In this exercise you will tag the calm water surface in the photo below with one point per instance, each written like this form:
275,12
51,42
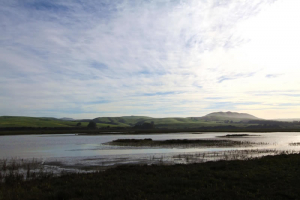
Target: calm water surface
72,145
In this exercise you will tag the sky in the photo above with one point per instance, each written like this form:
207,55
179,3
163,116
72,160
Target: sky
158,58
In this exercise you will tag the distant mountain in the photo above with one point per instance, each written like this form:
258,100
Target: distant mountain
232,116
66,119
52,118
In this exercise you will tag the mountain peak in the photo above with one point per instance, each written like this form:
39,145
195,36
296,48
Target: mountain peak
221,116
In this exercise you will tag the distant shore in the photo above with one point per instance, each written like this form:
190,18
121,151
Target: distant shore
132,131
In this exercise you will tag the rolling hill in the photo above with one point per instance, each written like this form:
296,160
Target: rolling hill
212,119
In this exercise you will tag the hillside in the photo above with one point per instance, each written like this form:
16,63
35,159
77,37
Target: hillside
177,122
125,121
15,121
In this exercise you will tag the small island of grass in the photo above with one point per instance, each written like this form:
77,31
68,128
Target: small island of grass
184,143
238,135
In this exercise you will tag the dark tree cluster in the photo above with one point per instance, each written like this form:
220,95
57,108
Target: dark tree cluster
92,125
145,125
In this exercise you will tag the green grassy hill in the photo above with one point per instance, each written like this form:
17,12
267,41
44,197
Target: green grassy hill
125,121
11,121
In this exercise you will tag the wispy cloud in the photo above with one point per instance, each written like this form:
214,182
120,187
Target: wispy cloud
160,93
273,75
234,76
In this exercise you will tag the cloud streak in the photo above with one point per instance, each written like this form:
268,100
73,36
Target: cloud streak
273,75
234,76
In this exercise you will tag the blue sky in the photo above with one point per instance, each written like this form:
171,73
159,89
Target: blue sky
86,59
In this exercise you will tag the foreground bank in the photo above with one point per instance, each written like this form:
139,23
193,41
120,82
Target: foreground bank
271,177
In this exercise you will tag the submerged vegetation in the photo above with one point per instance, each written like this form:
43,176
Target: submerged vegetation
270,177
294,144
15,170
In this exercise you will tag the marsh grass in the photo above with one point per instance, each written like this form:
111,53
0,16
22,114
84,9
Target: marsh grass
270,177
